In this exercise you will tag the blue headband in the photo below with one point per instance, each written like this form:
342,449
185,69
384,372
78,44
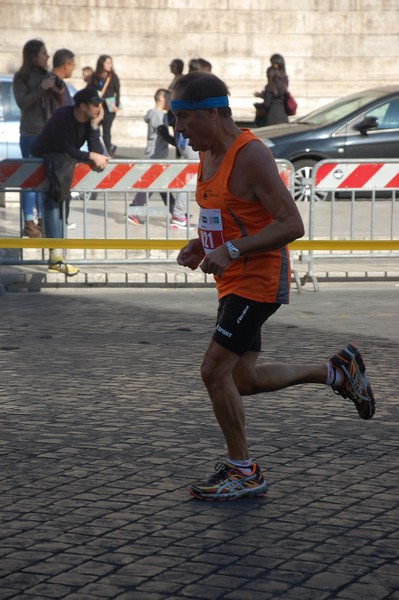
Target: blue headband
217,102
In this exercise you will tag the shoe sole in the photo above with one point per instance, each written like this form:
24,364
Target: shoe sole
133,223
63,272
255,493
369,404
174,226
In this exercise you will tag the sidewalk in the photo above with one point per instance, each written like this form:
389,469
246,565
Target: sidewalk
105,423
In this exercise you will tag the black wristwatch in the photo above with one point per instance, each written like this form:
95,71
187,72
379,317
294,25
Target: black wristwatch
234,252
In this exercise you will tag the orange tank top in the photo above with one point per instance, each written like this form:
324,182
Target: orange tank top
263,277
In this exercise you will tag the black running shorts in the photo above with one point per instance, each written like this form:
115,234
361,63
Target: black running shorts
239,323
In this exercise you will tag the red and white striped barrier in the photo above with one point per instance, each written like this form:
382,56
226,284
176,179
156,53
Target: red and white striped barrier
119,176
356,175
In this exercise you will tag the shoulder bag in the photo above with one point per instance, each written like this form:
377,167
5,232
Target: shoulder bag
291,104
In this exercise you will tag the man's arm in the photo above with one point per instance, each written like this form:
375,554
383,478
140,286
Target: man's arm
164,133
255,178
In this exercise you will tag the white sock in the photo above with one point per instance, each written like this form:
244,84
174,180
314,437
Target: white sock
335,376
244,465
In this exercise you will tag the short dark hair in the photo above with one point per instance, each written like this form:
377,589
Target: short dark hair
179,65
199,85
61,57
159,92
194,65
205,65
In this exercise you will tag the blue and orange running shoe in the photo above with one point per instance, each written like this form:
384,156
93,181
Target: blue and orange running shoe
355,385
230,483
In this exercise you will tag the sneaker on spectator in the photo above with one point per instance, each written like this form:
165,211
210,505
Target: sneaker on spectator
31,230
61,267
180,223
135,220
71,225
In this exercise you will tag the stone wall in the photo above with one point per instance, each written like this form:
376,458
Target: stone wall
331,47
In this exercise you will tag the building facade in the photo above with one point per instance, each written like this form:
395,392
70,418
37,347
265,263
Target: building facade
331,47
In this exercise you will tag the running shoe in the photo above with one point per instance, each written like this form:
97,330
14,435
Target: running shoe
61,267
230,483
355,385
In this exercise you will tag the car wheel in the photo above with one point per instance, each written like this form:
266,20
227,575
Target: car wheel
303,182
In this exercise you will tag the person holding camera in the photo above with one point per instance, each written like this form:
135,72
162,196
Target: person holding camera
63,67
37,96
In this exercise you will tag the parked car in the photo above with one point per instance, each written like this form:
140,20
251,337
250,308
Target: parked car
9,120
10,117
364,125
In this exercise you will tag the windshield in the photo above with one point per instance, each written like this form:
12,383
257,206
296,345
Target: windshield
339,109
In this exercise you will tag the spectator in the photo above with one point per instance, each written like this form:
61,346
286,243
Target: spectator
205,65
199,64
107,83
37,96
176,68
278,62
157,147
181,217
87,75
59,145
272,110
63,67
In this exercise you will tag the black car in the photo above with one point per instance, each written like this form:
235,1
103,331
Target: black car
364,125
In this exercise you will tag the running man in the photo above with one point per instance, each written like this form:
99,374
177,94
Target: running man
247,218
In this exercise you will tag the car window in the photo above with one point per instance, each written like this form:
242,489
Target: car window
339,109
9,110
387,114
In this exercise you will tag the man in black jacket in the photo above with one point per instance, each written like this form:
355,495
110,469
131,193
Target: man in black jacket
60,145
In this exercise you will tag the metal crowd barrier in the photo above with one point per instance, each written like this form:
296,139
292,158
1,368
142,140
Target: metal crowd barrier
353,200
102,202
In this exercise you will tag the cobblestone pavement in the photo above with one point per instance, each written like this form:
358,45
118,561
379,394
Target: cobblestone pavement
105,423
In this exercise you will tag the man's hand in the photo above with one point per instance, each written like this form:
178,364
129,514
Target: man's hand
217,261
191,255
95,123
100,161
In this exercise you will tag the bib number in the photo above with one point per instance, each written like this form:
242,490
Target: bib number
210,228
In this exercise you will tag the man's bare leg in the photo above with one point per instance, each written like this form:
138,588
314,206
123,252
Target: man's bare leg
227,376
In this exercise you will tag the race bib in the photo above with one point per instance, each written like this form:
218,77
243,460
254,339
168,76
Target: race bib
210,228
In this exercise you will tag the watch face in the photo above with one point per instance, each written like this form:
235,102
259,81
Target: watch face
233,251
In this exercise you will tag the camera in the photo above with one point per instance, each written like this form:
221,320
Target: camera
58,82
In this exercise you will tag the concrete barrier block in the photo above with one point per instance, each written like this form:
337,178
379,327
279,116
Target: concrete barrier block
156,277
137,278
173,278
95,278
197,277
116,277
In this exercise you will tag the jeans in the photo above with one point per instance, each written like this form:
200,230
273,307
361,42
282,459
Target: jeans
53,221
106,125
29,200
